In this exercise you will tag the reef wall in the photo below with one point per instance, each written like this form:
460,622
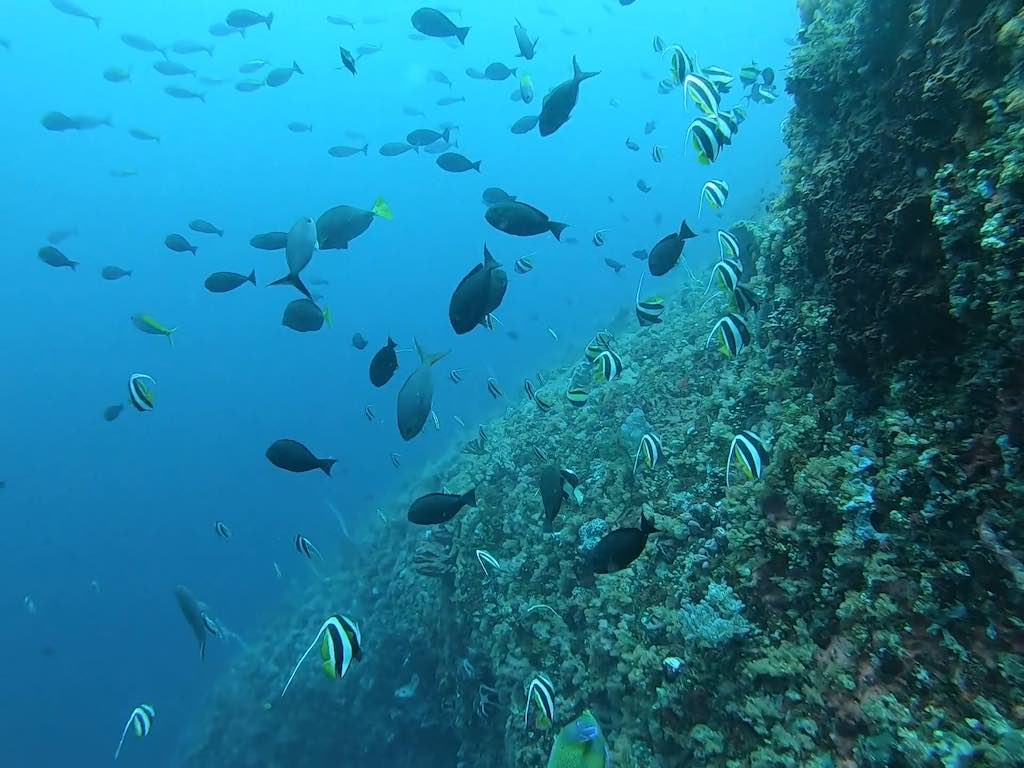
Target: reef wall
860,604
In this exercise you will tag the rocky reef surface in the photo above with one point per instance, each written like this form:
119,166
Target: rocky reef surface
858,605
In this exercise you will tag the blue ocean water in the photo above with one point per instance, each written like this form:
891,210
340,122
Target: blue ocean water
131,504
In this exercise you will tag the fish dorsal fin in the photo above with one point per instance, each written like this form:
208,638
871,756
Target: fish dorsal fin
429,358
391,343
489,260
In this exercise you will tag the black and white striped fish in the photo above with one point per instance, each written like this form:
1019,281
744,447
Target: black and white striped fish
657,153
396,460
726,274
539,453
649,310
494,389
540,694
456,375
599,238
368,412
577,396
704,138
744,299
342,644
528,388
571,486
651,450
732,333
716,192
749,452
523,265
703,92
729,245
141,721
222,530
140,391
609,365
305,547
543,404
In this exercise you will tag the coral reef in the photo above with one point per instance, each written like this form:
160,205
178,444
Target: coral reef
857,605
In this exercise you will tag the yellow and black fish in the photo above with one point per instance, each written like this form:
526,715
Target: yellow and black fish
341,645
732,333
577,396
704,138
540,694
140,391
543,404
716,192
726,275
649,310
729,245
703,92
749,452
744,300
651,450
609,365
749,74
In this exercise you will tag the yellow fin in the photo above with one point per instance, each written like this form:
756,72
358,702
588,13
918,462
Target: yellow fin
327,317
382,209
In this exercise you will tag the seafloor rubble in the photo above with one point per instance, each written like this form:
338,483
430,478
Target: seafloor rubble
860,605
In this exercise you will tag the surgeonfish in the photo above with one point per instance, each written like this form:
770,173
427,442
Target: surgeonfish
733,335
716,192
141,718
517,218
140,391
477,295
384,364
342,644
540,694
560,101
293,456
243,18
619,548
337,227
438,508
54,258
71,9
527,46
667,251
749,452
433,23
300,246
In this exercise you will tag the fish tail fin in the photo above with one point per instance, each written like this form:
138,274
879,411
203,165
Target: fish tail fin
270,20
476,166
326,465
685,231
461,32
328,317
297,68
251,278
382,209
220,233
193,250
366,149
557,228
646,526
296,282
447,135
428,357
469,498
74,265
391,342
241,33
578,74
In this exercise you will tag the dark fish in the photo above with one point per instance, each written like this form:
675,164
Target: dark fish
475,73
141,135
172,68
630,144
300,127
415,399
140,43
522,220
524,124
447,101
347,60
205,228
640,254
179,244
114,273
453,162
550,483
338,226
437,508
643,186
384,364
111,412
618,266
293,456
222,282
243,19
305,316
278,77
423,137
618,549
432,23
495,195
396,148
368,49
69,8
59,122
341,151
359,341
270,241
649,127
477,295
438,76
195,615
184,93
50,255
498,71
526,45
768,76
560,101
665,254
340,21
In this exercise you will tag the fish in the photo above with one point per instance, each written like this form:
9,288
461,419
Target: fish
347,59
561,100
220,29
293,456
59,122
111,412
704,137
384,364
497,71
253,65
438,508
305,316
524,124
359,341
123,173
278,77
543,404
172,68
340,21
733,335
423,137
176,92
186,47
493,388
195,613
338,226
721,78
632,145
116,75
750,454
658,44
540,693
180,244
526,89
395,148
570,487
523,265
640,254
527,47
456,375
369,413
141,719
703,93
716,192
475,73
657,153
609,365
762,94
744,300
528,388
749,73
342,644
666,252
649,310
140,392
368,49
518,218
437,427
417,393
453,162
248,86
244,18
599,237
652,451
726,274
621,547
539,453
296,127
71,9
306,548
495,195
50,255
149,324
144,44
433,23
617,266
550,483
343,151
553,335
768,76
447,101
643,186
477,295
649,127
222,282
270,241
222,530
300,246
437,76
577,396
205,228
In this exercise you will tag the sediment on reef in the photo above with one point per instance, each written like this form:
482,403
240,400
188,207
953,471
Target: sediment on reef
858,605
